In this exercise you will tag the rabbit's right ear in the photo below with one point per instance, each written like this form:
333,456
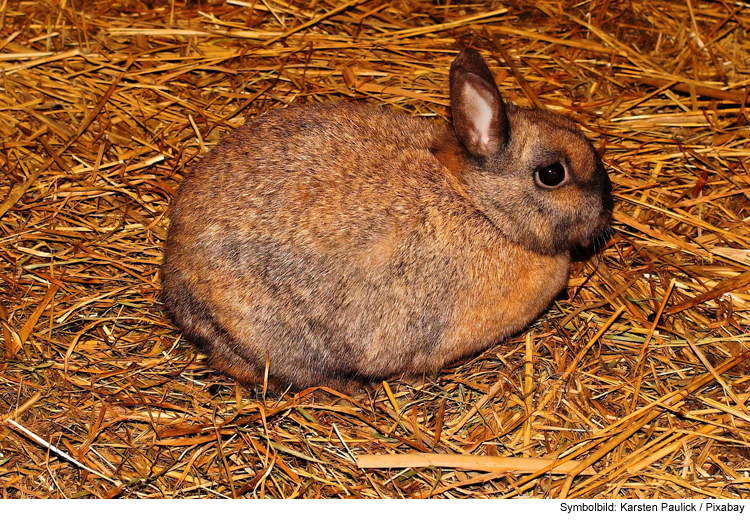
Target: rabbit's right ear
479,116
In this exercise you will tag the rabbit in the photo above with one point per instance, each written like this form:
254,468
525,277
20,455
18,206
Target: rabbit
340,244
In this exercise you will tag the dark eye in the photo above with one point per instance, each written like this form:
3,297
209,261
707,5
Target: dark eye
551,176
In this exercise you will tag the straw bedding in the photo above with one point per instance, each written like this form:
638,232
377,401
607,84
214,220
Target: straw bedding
636,381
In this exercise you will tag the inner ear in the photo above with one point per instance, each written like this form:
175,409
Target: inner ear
479,116
477,119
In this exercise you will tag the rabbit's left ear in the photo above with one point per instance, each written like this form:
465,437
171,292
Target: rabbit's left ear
479,116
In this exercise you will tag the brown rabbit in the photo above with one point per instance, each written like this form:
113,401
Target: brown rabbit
337,244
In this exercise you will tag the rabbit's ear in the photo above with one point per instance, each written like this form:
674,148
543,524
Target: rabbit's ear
479,116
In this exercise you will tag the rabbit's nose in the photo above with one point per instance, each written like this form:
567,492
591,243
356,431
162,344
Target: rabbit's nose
606,188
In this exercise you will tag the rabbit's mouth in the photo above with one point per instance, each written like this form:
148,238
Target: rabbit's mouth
596,240
605,220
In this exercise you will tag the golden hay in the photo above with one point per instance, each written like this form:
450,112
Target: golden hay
638,380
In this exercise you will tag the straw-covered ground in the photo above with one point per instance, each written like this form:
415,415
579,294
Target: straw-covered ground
638,378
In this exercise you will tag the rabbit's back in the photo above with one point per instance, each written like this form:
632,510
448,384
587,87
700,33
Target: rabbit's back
334,242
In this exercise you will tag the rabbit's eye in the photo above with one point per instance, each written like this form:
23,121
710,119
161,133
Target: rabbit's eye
551,176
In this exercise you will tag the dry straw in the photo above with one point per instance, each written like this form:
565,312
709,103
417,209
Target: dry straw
635,384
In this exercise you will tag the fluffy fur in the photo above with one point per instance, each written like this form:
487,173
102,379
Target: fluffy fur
344,243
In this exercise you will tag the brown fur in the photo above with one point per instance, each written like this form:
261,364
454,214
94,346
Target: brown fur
351,243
